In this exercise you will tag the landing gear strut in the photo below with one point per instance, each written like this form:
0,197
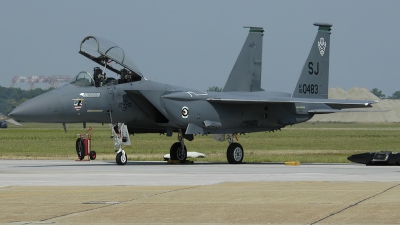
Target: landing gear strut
121,157
178,150
235,152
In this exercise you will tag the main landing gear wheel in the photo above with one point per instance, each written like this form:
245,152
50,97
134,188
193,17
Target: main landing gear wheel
121,158
176,152
235,153
80,148
92,155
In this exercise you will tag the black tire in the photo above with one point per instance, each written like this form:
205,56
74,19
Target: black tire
121,159
92,155
176,152
235,153
80,148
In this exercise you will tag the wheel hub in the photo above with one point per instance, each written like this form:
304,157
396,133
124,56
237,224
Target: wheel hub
123,158
180,153
237,154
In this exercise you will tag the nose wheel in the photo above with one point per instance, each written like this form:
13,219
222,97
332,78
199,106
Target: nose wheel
121,158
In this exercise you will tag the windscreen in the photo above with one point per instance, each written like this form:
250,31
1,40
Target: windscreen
82,79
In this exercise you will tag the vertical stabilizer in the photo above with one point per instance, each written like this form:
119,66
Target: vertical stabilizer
314,78
246,73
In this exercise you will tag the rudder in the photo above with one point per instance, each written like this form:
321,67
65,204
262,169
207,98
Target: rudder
314,78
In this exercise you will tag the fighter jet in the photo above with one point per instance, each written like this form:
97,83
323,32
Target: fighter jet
145,106
4,119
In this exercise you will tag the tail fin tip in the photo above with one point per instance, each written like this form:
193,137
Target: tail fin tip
255,29
324,26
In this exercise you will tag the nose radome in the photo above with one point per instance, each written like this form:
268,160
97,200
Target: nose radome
44,108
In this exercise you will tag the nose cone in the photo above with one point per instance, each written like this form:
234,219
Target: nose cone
44,108
364,158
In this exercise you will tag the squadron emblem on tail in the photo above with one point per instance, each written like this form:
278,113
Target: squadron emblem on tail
321,46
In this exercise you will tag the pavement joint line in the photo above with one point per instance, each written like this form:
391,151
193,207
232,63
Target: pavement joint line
161,193
72,213
355,204
121,202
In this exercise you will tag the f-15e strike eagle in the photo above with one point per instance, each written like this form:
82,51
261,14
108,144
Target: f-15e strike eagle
145,106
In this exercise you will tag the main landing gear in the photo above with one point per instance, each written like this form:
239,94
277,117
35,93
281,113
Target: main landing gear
234,153
178,150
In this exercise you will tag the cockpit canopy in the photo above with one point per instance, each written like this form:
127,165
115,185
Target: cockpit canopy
109,55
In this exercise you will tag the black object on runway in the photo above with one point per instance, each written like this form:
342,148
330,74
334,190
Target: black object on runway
376,158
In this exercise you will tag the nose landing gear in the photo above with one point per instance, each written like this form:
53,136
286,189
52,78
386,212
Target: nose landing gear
121,137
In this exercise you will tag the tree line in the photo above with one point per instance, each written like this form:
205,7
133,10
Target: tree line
12,97
378,93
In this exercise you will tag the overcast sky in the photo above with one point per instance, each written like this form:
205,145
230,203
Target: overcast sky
195,43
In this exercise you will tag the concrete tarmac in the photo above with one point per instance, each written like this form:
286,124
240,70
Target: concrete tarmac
99,192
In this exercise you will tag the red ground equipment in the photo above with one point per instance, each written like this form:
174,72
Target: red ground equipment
84,146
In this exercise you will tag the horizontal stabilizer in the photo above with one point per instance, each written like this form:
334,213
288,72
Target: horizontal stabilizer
327,111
